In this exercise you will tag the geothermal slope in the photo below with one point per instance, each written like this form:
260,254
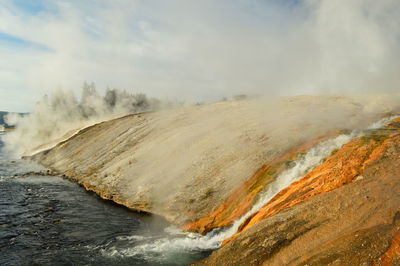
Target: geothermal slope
300,180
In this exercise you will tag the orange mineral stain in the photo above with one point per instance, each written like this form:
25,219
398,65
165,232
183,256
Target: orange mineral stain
341,168
392,253
241,199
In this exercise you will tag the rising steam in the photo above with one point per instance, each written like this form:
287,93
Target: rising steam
61,115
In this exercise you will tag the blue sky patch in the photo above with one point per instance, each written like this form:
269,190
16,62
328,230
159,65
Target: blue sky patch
30,6
16,42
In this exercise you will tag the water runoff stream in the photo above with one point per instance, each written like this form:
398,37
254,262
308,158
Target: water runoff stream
51,221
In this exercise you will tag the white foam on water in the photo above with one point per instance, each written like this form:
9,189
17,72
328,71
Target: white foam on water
133,237
161,248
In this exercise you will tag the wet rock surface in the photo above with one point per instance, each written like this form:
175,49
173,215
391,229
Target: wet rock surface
244,197
340,169
329,217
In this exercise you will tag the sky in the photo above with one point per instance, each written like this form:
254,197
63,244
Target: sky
197,50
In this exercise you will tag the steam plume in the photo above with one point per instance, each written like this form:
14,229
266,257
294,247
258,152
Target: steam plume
61,114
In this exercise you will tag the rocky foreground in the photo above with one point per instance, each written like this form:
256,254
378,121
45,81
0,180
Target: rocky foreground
344,212
204,167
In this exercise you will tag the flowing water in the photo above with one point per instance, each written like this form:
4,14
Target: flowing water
50,221
300,168
47,220
213,240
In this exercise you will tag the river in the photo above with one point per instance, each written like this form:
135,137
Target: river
49,220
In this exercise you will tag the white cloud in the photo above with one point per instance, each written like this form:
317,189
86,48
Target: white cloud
204,49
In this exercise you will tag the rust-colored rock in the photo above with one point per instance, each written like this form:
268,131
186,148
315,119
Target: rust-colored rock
241,199
394,124
353,224
343,167
393,253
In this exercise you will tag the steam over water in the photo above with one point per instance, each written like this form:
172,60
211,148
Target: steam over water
46,220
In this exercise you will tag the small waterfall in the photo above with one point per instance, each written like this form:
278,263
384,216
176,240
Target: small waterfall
179,240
